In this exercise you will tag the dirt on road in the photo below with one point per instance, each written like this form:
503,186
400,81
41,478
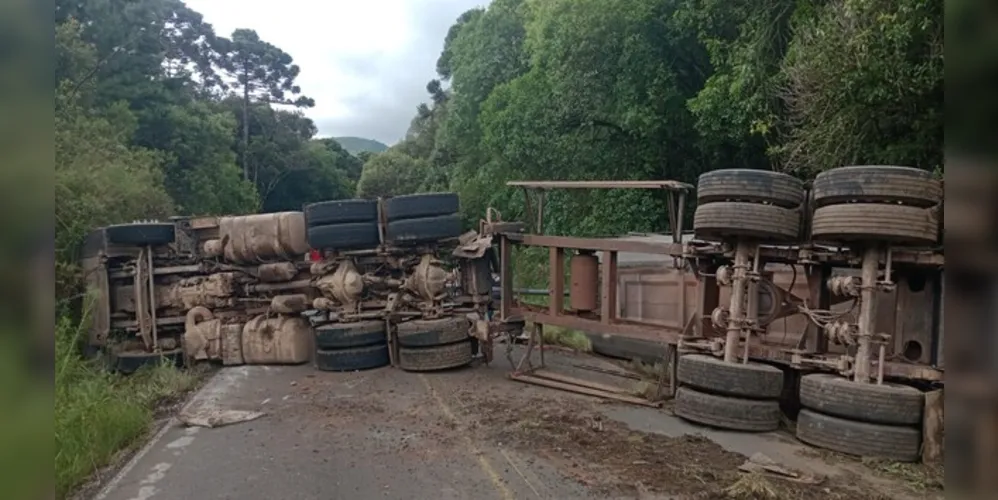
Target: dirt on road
608,458
473,433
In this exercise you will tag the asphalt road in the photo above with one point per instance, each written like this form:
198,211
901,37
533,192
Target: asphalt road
364,435
388,434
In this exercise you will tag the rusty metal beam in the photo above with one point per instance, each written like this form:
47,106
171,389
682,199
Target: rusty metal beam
668,335
664,184
597,244
505,278
556,299
608,288
654,333
557,377
581,390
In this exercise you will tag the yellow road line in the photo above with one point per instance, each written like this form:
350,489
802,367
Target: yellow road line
483,462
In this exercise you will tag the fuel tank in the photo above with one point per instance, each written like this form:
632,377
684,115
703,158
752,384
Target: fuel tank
276,340
263,237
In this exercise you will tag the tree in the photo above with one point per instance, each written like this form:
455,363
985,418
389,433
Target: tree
392,173
864,85
263,73
202,176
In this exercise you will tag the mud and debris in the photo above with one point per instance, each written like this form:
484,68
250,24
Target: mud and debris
614,460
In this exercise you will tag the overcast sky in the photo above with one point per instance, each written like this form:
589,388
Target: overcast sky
365,62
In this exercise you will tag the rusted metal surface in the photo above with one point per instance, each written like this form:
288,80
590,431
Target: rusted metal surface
585,281
736,308
556,265
608,288
867,314
596,244
581,389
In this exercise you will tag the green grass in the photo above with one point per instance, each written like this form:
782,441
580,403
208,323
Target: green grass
565,337
99,414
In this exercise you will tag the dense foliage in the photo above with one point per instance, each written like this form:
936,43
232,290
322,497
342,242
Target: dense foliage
653,89
156,115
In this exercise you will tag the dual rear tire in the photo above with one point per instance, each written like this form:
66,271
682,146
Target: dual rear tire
411,219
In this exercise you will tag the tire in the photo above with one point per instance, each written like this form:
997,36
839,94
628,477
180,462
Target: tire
423,230
898,224
879,404
751,220
754,186
348,335
862,439
129,362
627,349
707,373
353,236
433,332
348,360
413,206
141,233
425,359
877,184
723,412
340,211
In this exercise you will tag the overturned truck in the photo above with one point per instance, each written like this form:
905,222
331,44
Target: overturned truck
350,284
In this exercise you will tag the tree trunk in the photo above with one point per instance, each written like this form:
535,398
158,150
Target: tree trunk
246,175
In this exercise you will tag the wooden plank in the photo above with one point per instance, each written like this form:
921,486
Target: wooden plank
608,287
556,300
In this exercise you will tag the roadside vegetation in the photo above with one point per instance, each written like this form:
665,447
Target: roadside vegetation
157,114
100,415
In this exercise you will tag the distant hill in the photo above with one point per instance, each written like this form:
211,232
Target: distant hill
355,145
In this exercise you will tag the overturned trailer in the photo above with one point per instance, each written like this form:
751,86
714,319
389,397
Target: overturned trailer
864,241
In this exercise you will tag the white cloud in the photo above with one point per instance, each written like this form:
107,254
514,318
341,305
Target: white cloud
365,62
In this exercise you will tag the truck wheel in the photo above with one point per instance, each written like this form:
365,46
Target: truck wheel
728,219
347,360
723,412
347,335
749,185
880,404
352,236
425,359
752,380
423,230
141,233
877,184
128,362
340,211
412,206
433,332
875,221
862,439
